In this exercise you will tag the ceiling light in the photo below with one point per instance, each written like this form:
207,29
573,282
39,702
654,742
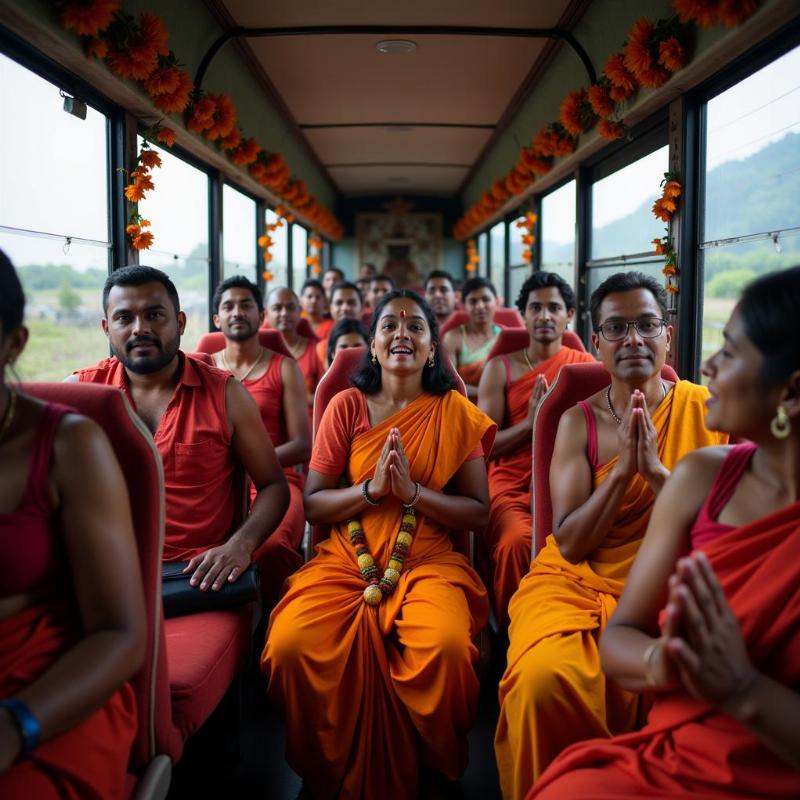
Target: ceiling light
396,46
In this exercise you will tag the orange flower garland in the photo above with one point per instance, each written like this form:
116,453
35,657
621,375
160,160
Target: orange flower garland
473,259
652,52
314,259
664,208
266,241
136,49
528,223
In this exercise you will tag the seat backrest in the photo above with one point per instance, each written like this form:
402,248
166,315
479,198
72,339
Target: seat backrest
303,328
269,338
509,340
574,382
508,318
453,321
141,466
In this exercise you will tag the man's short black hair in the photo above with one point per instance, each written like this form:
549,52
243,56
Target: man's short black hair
545,280
382,277
347,285
439,273
473,284
626,282
336,270
12,297
236,282
314,283
137,275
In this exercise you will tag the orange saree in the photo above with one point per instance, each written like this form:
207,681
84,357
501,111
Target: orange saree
369,692
553,692
689,748
507,540
87,762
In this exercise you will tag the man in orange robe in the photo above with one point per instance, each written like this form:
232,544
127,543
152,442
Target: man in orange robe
690,748
371,692
553,692
511,386
203,423
315,307
276,384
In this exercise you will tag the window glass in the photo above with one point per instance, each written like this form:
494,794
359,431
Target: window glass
497,256
178,212
515,245
54,221
299,255
557,231
516,277
279,252
622,217
238,234
483,252
752,186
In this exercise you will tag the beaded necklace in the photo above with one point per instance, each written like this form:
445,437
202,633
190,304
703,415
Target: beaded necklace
377,589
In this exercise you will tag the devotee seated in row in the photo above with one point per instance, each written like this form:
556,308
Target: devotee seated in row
369,653
511,387
283,314
367,270
346,303
346,333
440,294
379,285
611,457
72,620
468,345
276,384
330,278
204,425
315,307
709,621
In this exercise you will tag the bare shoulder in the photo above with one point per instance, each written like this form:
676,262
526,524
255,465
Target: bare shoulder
700,467
452,339
80,448
572,428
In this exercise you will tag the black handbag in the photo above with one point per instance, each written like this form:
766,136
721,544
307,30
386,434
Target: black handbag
181,598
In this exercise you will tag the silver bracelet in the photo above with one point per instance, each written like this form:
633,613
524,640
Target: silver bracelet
365,494
415,498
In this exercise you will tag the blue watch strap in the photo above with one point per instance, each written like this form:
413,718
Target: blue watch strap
29,728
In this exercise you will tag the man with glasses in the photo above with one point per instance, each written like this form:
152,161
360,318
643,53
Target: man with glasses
612,454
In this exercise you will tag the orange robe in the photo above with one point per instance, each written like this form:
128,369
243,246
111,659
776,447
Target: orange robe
321,329
311,367
553,692
369,692
279,556
88,761
506,543
689,748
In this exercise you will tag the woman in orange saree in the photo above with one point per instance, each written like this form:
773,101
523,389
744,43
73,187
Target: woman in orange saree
723,658
373,691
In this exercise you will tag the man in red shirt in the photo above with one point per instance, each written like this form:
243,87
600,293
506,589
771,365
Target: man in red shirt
275,382
204,425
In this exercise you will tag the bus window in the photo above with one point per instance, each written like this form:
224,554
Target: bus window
483,252
519,270
54,224
557,227
238,234
178,210
299,255
279,250
751,188
497,257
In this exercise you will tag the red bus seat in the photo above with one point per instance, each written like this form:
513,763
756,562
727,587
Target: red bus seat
303,328
509,340
157,742
269,338
504,317
574,382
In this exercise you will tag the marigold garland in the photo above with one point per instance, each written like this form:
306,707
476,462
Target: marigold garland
651,53
265,241
528,223
664,208
135,48
314,258
473,258
377,589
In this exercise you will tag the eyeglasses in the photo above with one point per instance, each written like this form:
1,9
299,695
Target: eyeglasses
616,329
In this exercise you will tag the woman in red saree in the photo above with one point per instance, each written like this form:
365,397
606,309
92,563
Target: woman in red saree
369,652
71,608
723,658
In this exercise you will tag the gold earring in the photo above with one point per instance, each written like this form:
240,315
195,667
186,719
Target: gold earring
374,359
780,425
431,360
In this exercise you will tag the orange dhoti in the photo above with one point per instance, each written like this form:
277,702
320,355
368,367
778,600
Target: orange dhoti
688,748
554,692
506,542
370,692
87,762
